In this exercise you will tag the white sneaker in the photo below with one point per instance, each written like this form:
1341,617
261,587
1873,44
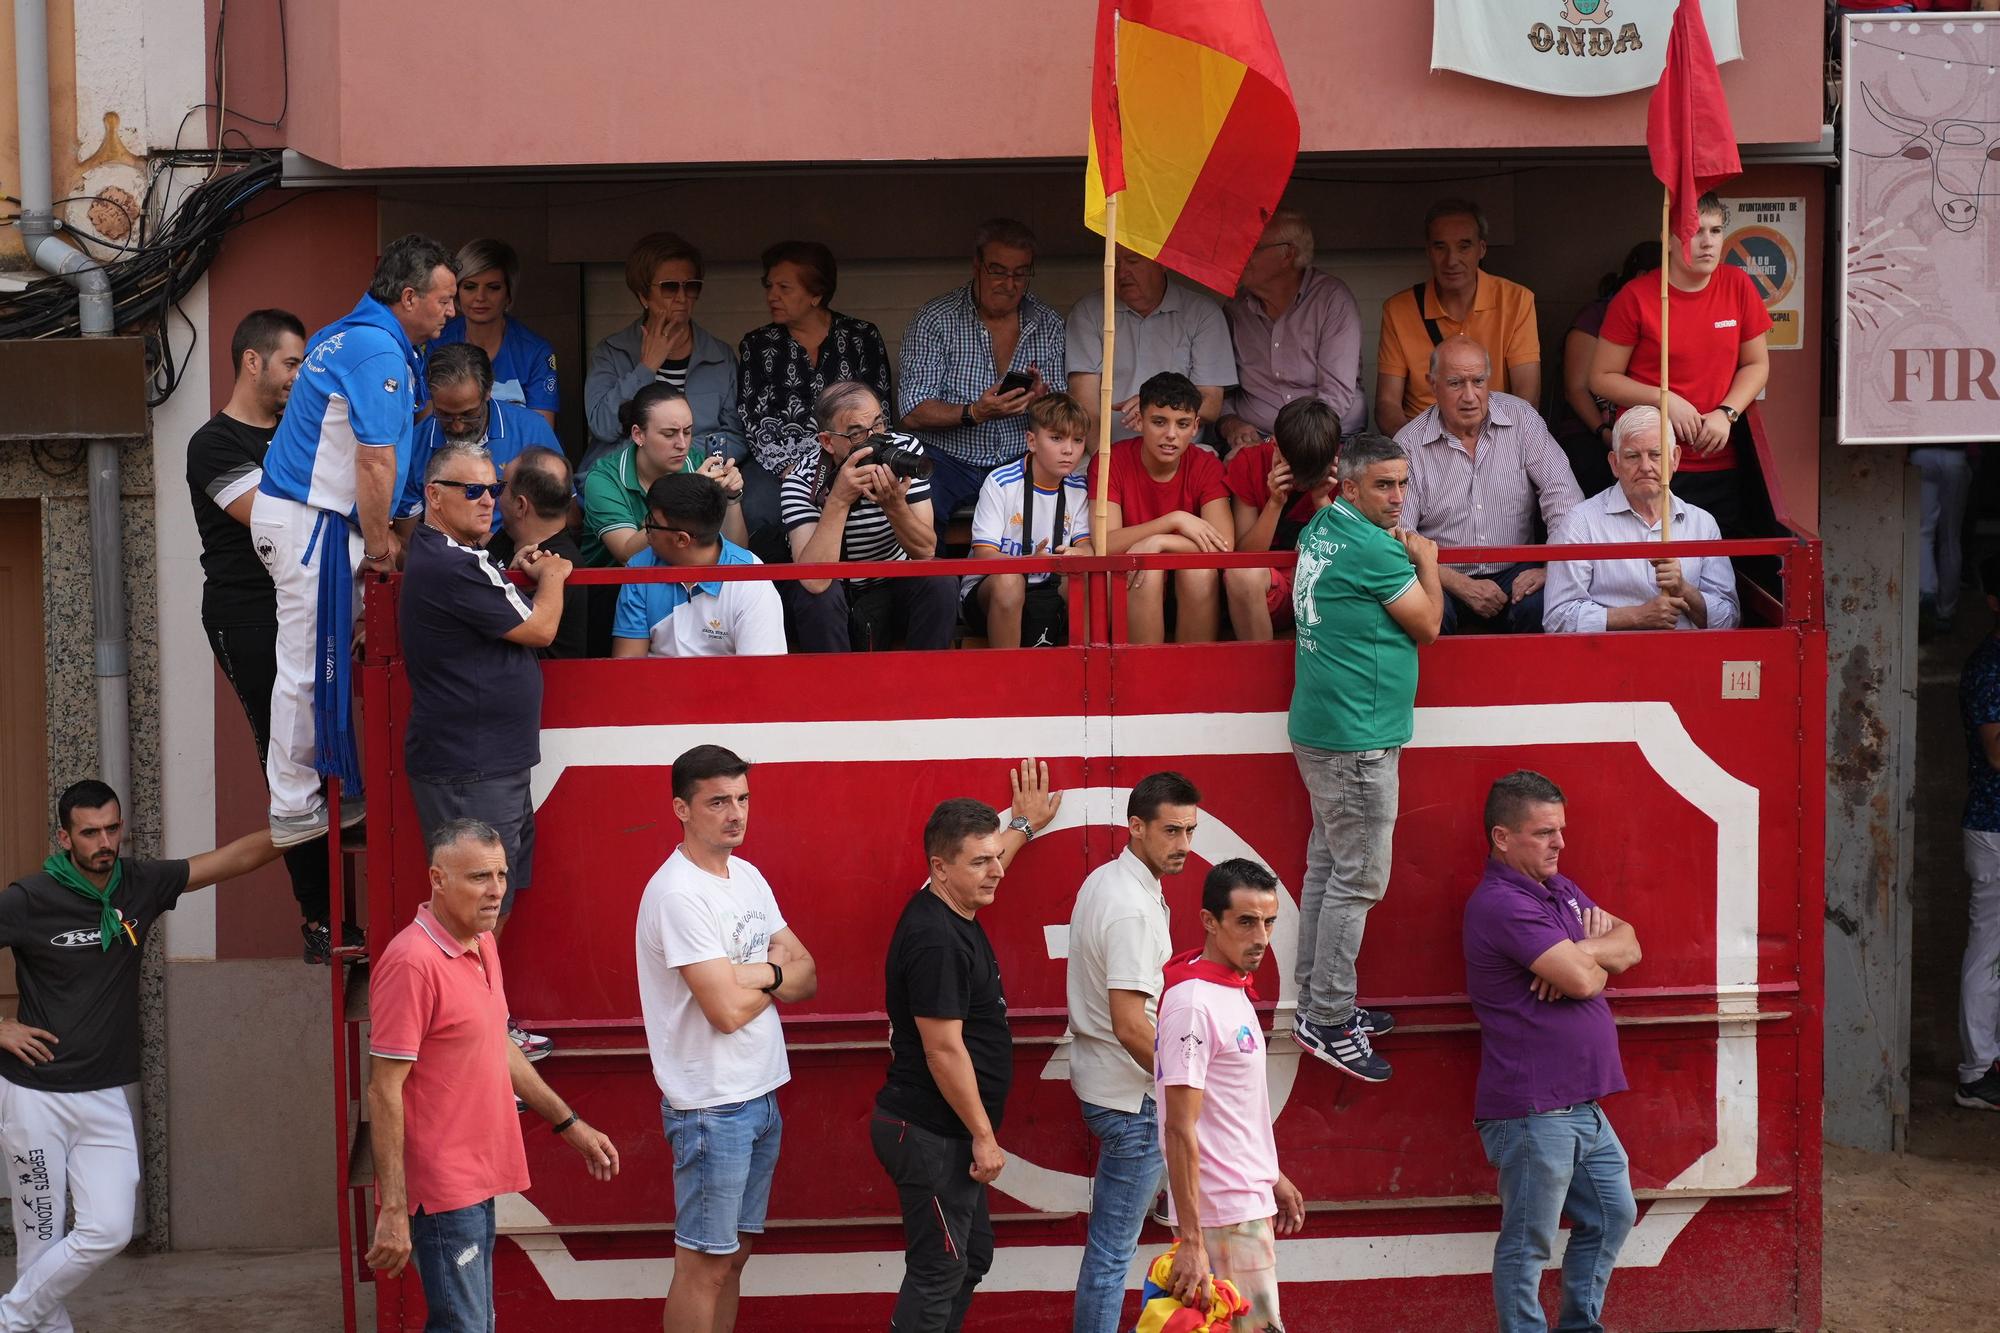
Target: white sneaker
296,830
533,1044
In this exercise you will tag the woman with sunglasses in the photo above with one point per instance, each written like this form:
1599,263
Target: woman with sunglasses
660,439
664,345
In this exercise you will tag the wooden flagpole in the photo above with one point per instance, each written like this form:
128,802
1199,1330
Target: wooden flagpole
1101,513
1666,426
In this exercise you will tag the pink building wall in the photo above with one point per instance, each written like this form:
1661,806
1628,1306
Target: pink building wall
475,83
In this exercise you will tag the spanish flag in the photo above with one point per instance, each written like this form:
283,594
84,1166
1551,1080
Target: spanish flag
1192,124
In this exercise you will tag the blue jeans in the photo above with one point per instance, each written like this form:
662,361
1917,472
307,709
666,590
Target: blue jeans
453,1252
952,484
724,1157
1353,797
1522,617
1129,1169
1552,1163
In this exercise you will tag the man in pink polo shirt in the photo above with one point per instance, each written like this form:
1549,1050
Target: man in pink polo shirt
442,1082
1229,1201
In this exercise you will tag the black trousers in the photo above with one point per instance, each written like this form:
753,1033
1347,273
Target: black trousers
248,655
845,619
1740,502
947,1232
1522,617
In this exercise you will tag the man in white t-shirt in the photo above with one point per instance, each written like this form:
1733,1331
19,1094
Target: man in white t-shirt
1118,944
715,958
1229,1200
720,618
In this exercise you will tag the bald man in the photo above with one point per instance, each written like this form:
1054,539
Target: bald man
1482,466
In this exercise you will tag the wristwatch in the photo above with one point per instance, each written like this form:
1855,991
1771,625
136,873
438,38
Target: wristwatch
1730,412
777,977
1020,825
965,416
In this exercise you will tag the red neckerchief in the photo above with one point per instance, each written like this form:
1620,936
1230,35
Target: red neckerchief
1191,966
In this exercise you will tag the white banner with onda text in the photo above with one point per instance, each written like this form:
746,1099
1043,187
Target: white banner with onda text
1574,48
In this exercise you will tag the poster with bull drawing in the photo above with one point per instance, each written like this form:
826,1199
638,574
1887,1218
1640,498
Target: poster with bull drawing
1920,277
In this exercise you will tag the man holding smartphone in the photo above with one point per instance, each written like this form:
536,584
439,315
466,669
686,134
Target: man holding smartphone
973,359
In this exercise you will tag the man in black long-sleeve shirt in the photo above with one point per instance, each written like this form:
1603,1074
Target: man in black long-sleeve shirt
937,1117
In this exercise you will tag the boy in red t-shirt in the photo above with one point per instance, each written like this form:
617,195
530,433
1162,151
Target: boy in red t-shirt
1168,495
1718,363
1275,488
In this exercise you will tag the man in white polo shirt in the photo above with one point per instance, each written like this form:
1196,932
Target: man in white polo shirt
715,959
735,618
1118,944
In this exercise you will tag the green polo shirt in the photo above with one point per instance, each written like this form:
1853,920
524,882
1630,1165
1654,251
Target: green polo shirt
1355,685
614,498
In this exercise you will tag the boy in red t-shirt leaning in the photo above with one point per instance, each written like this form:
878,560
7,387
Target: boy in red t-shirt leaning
1718,363
1167,495
1275,488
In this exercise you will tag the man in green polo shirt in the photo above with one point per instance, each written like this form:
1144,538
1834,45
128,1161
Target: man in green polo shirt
1365,595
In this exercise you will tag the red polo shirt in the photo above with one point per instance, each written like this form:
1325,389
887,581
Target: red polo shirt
433,1001
1705,341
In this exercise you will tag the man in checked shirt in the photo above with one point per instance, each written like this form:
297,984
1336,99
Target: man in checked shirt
1481,465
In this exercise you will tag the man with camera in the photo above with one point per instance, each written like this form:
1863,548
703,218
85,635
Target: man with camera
864,496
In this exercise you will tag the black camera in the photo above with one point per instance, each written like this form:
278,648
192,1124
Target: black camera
899,454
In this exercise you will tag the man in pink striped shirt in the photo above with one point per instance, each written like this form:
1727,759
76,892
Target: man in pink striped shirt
1482,467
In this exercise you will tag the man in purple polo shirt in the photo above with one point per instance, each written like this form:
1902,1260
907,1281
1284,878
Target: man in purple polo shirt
1538,952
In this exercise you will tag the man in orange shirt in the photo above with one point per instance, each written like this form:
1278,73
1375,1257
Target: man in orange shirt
1460,297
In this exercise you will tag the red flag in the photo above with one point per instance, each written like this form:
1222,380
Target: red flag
1688,134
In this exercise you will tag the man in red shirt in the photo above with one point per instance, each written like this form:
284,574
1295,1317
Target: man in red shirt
1275,488
1167,494
1717,365
442,1084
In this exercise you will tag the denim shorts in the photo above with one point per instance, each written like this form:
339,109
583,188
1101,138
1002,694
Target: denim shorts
724,1157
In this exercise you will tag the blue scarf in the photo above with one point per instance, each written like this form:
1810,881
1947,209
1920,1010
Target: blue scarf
335,754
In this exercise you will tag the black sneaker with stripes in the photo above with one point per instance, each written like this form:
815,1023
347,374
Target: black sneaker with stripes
1345,1048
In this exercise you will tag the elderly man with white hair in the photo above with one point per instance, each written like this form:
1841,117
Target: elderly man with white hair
1587,595
1297,333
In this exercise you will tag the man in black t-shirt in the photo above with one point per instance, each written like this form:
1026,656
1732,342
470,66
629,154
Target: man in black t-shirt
534,514
69,1062
950,1061
239,608
469,645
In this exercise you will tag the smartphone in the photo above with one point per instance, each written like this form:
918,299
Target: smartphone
1014,381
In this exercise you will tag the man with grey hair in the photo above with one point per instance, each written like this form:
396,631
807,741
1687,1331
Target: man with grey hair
1587,595
464,411
322,514
469,645
1365,595
1483,466
1460,297
840,504
946,388
445,1093
1297,334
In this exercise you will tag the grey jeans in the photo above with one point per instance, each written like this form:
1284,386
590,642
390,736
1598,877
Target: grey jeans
1353,795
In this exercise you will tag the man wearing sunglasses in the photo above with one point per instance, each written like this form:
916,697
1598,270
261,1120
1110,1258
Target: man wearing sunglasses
973,359
469,646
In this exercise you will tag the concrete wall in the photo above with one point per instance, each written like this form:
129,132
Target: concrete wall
1868,515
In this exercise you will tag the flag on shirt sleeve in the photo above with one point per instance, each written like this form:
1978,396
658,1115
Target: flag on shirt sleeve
1192,124
1688,134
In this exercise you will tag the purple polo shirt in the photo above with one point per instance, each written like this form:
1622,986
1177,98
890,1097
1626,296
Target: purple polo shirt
1534,1055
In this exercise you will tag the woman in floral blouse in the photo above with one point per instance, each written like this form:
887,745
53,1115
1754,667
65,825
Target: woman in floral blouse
784,365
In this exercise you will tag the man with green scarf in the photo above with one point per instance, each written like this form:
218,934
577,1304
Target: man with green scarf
69,1063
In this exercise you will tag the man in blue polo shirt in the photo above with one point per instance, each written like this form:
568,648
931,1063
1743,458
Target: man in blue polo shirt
464,411
1365,595
1538,952
322,518
736,618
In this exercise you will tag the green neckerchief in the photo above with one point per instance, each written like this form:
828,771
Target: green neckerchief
64,872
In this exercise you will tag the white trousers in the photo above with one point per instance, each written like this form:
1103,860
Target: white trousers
282,531
63,1145
1979,974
